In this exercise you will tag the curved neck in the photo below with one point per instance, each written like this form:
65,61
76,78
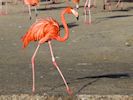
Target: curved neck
59,38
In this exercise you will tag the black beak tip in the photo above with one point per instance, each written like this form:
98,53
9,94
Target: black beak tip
77,18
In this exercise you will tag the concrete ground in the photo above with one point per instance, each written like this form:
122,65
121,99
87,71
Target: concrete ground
97,59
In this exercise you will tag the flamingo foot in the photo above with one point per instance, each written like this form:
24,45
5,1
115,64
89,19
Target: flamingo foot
69,91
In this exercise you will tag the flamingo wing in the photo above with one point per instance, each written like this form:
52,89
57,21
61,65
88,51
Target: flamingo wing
40,29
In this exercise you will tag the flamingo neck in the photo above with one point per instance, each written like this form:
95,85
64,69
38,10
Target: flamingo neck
59,38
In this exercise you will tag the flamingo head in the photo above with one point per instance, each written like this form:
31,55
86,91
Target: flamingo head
70,10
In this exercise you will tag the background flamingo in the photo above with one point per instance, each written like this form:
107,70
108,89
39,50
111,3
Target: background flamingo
45,30
87,7
76,2
107,3
31,3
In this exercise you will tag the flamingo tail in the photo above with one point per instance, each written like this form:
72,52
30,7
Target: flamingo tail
25,41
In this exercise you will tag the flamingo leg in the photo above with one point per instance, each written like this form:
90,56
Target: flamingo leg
67,2
29,7
119,3
6,6
36,12
55,64
0,7
85,12
33,68
109,5
105,3
89,6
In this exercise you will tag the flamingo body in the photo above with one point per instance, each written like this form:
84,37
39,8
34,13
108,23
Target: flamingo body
40,29
87,5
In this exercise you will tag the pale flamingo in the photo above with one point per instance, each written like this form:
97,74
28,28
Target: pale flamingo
107,3
45,30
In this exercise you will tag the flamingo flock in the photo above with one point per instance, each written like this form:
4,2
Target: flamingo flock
48,29
87,6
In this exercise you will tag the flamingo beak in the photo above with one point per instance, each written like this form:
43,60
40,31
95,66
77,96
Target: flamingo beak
75,13
77,17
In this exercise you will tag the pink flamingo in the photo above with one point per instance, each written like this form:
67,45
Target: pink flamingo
30,3
45,30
